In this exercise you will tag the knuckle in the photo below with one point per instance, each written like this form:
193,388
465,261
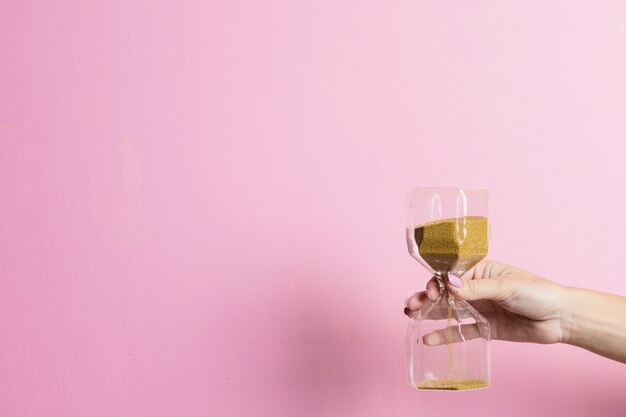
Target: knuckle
472,287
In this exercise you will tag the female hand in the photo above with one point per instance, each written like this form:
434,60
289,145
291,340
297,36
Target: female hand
520,306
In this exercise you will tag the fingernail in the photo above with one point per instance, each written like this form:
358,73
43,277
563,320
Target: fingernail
454,281
406,302
407,311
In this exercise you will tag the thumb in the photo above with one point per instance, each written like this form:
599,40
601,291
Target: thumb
494,288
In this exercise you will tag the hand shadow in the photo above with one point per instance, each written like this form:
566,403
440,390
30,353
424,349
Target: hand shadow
331,354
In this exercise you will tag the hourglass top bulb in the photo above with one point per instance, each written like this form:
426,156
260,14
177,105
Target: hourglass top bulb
452,246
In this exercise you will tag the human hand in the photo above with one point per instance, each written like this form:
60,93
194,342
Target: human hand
520,306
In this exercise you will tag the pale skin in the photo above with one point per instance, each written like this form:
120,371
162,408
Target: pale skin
523,307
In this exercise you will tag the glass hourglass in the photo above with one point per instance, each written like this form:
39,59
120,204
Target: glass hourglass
448,340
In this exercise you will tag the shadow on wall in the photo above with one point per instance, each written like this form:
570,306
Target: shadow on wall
331,355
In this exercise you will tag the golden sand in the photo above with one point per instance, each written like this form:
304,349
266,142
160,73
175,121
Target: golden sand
453,384
453,245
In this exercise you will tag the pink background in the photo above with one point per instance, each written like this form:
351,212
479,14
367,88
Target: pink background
201,208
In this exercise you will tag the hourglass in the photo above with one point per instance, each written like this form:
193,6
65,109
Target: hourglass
448,340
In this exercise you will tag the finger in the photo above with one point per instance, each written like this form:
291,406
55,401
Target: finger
486,268
432,289
484,307
452,334
494,288
415,302
440,311
470,273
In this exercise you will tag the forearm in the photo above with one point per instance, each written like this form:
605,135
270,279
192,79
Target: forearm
595,321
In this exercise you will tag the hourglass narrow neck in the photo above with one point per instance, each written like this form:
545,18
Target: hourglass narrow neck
441,279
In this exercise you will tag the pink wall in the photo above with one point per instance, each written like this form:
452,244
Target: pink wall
201,208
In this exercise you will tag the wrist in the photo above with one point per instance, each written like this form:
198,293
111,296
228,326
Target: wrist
567,322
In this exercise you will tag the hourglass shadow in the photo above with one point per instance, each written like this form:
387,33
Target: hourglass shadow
327,369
